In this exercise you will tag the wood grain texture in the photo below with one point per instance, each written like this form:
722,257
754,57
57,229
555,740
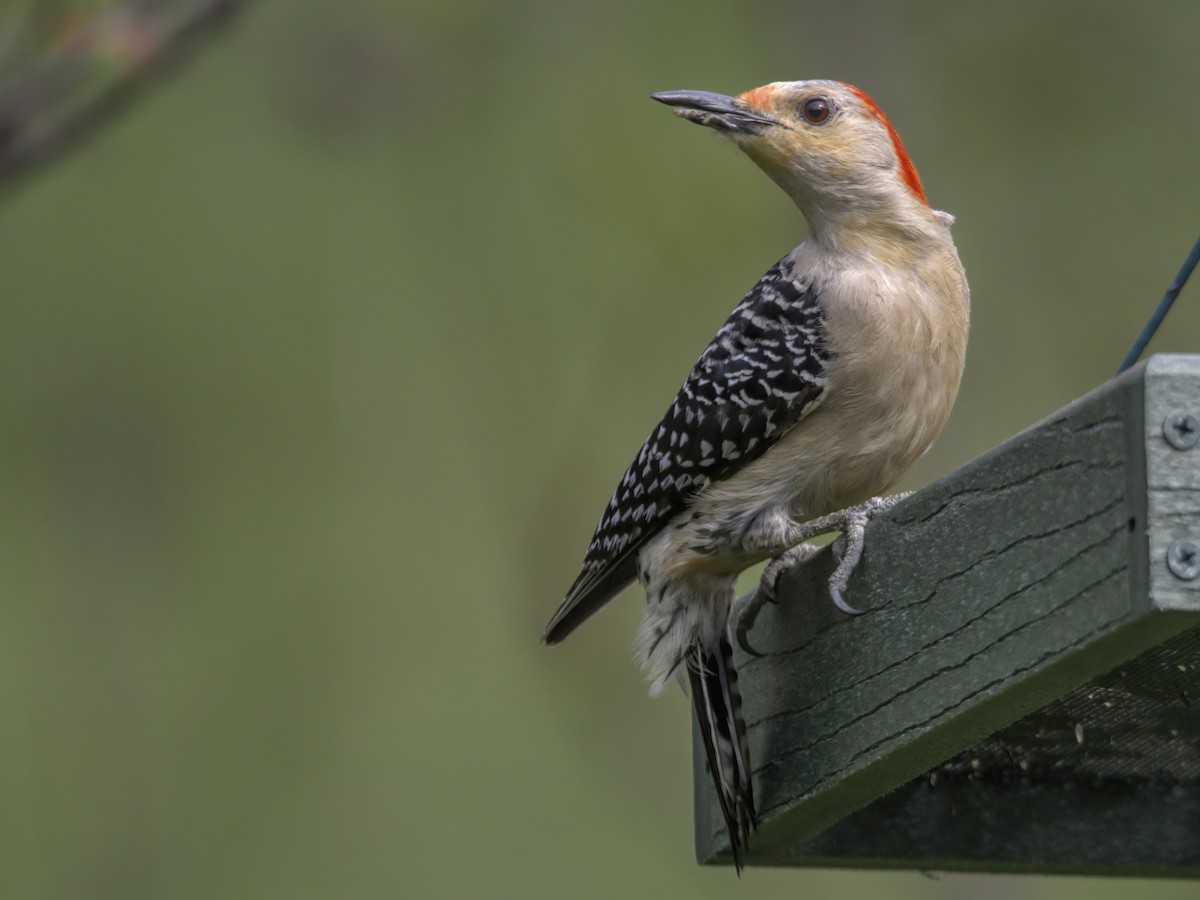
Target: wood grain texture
1010,582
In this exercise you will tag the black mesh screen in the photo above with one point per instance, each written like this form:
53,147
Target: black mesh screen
1139,723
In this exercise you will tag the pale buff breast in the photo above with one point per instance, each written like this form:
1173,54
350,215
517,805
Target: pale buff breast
898,338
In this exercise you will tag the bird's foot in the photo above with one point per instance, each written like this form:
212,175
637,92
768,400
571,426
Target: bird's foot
848,550
747,607
850,546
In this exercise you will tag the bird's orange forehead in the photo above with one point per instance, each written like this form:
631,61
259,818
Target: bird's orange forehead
759,98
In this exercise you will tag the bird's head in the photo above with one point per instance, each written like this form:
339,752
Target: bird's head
827,144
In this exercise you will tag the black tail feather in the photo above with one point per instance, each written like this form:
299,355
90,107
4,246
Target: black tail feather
718,704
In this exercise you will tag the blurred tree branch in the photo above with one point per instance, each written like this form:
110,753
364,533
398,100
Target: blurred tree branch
68,68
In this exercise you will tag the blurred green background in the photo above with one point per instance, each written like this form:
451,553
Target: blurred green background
319,366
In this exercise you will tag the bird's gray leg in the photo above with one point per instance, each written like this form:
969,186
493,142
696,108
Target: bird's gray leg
852,522
775,535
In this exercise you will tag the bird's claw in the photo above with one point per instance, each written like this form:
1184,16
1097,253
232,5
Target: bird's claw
848,549
741,619
835,594
747,607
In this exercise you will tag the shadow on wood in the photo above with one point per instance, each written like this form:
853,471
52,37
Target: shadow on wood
1022,692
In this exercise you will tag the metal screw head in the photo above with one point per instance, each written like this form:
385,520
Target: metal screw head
1181,429
1183,559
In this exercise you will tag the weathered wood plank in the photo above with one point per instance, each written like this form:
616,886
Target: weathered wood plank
1014,580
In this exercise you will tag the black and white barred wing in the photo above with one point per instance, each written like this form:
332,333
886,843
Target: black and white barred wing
762,373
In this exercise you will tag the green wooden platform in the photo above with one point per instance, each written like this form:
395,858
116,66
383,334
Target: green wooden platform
1023,690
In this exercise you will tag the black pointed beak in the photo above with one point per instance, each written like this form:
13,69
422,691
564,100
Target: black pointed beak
715,111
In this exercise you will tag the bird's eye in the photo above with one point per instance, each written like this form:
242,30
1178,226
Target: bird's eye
816,110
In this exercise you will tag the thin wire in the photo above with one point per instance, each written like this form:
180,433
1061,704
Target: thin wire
1164,306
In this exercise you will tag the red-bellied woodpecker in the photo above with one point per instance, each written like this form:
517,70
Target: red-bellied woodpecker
835,372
